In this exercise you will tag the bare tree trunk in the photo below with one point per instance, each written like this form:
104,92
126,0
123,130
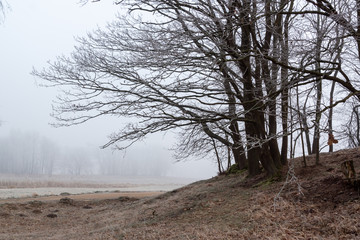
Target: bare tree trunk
291,129
284,43
249,98
301,127
260,150
267,160
228,158
339,45
330,121
356,111
237,148
316,140
306,131
219,163
270,80
253,152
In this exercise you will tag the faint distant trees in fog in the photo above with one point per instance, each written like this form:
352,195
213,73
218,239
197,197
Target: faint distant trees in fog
27,153
146,162
3,7
32,154
76,161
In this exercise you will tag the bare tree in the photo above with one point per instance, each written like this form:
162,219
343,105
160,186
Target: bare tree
210,69
192,66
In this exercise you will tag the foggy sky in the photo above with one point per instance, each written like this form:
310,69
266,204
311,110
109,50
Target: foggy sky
36,31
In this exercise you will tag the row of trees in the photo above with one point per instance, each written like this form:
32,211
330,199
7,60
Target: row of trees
3,7
243,79
27,153
32,154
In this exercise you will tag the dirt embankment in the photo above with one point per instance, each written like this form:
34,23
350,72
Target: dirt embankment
317,204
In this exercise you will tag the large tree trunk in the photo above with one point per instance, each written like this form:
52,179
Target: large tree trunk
253,151
238,149
249,101
252,132
258,151
267,161
261,149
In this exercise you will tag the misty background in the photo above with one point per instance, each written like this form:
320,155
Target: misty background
33,32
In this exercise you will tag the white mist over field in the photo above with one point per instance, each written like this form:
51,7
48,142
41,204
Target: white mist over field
12,186
32,33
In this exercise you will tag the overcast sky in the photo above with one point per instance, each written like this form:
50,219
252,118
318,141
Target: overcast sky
36,31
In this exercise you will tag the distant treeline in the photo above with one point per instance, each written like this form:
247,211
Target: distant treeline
30,153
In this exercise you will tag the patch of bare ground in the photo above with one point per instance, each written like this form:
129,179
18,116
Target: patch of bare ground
224,207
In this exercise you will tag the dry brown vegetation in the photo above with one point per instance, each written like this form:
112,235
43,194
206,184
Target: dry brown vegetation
65,181
224,207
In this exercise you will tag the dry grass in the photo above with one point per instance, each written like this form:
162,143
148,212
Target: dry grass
225,207
14,181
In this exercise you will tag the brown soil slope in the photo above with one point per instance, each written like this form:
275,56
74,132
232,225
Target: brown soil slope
315,204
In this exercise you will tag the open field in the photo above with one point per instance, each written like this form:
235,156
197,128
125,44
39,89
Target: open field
319,204
12,186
